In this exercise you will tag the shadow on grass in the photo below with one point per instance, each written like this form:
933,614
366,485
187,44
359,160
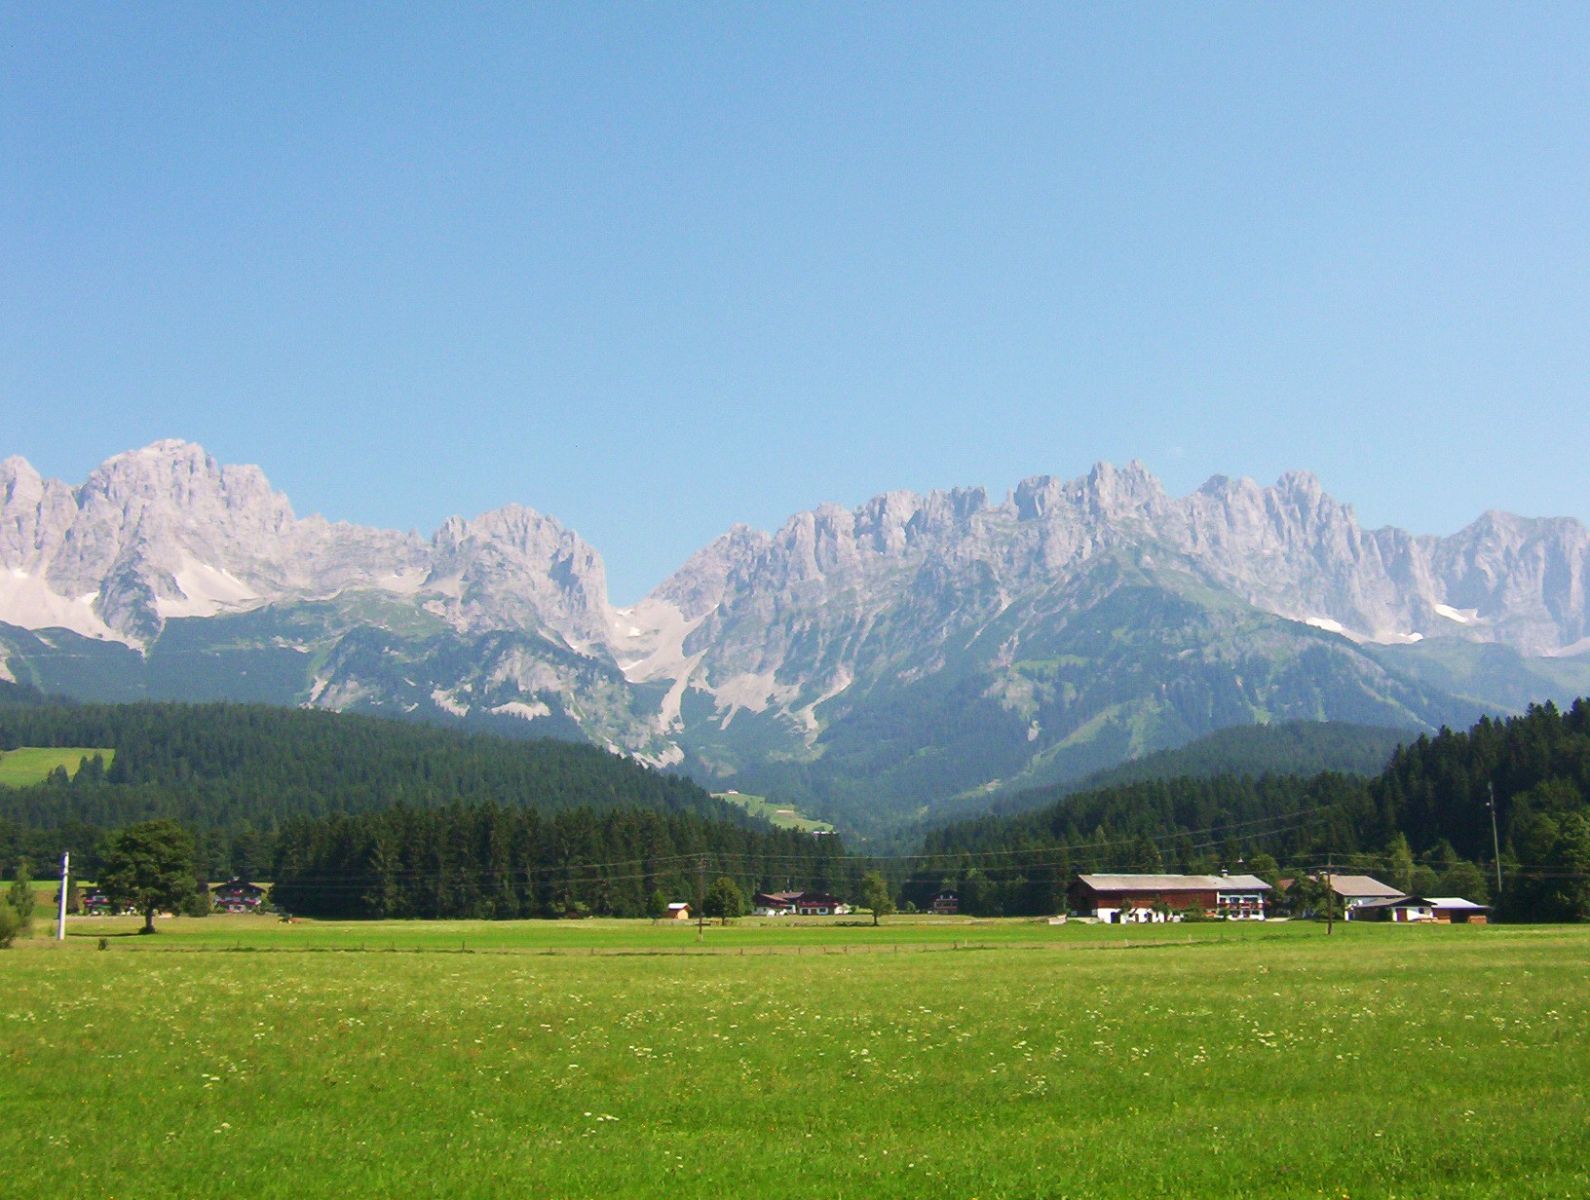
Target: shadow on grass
114,933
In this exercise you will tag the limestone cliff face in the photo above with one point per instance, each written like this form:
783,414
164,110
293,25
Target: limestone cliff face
830,585
1069,608
166,531
516,569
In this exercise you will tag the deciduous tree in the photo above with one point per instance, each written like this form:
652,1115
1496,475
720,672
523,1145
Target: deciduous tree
876,896
724,900
149,866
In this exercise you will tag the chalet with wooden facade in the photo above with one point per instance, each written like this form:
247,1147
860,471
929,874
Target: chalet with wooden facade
238,896
1142,899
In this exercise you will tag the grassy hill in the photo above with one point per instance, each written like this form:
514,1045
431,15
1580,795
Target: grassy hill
27,765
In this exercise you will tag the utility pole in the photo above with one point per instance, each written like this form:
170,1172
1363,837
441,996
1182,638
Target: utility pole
1330,900
701,898
1496,846
66,874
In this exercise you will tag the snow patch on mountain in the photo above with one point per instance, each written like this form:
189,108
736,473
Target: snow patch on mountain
518,708
28,601
206,590
448,702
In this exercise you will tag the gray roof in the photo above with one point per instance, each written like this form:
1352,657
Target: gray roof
1351,886
1175,883
1455,902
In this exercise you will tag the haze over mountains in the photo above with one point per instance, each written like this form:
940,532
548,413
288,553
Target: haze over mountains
872,663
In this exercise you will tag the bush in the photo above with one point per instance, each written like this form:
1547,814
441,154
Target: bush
198,903
11,924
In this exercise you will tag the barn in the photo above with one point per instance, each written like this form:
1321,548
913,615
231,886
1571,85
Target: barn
1142,899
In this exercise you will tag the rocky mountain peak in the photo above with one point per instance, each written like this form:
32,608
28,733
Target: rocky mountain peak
698,586
18,478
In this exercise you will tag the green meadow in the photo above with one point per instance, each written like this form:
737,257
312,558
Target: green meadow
788,1059
27,765
781,816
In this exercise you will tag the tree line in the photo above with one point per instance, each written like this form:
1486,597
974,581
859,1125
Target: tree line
488,861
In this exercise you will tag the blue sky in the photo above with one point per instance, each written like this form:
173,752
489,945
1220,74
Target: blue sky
657,269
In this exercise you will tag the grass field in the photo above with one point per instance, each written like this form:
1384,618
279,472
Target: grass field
27,765
566,1059
780,815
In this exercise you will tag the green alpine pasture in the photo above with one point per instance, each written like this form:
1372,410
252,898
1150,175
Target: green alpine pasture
28,765
788,1059
780,816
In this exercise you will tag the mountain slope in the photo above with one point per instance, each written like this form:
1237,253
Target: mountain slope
872,664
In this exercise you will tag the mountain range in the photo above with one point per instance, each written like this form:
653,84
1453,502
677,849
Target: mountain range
871,664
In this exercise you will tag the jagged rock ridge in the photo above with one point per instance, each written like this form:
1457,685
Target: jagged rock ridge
1073,620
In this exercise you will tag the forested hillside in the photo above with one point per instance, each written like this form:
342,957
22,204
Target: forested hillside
1279,748
489,861
1423,824
233,773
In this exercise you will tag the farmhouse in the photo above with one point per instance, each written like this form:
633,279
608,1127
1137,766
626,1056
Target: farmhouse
947,903
805,904
679,910
238,896
1354,891
819,904
774,904
1140,899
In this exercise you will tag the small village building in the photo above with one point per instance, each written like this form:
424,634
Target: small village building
819,904
679,910
1400,910
97,904
947,904
774,904
1354,891
238,896
1454,910
1434,910
801,904
1144,899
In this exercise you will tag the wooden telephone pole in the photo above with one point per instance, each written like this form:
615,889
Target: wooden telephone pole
1496,845
1330,901
701,898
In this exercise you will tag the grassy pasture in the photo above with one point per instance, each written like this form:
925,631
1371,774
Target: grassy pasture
782,816
1249,1061
27,765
